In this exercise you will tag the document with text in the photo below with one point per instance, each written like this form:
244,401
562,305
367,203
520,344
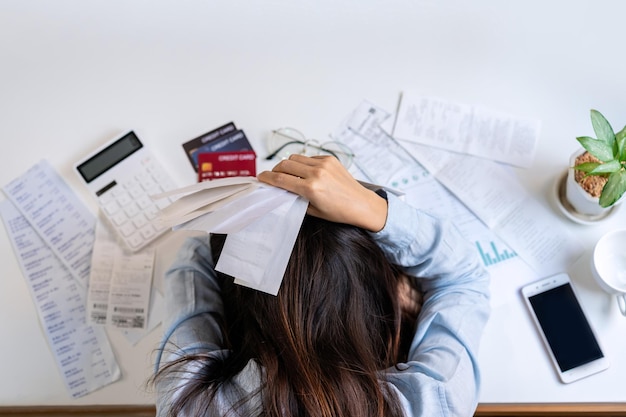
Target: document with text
82,351
108,262
495,196
381,159
57,215
467,129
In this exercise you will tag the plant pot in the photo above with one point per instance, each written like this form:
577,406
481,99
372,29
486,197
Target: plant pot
580,199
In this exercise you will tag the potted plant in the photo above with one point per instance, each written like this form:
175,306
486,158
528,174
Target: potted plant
598,178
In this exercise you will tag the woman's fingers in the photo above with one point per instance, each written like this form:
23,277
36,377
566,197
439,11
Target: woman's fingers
332,192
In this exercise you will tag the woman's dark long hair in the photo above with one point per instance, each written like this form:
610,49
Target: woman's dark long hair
321,343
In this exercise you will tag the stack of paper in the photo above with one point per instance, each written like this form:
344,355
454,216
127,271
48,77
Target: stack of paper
409,150
52,233
261,221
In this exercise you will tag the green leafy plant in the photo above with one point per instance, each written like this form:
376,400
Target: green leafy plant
610,149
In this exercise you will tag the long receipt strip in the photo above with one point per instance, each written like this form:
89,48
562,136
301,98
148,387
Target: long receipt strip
62,221
52,233
82,352
120,283
106,255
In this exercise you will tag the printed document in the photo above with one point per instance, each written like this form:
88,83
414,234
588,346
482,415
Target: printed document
262,223
82,352
109,260
467,129
105,249
381,159
129,294
258,254
498,199
484,200
58,216
378,158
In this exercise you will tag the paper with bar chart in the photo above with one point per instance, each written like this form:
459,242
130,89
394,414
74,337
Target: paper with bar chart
482,197
495,196
383,160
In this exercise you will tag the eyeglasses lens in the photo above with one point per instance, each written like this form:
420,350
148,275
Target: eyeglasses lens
287,141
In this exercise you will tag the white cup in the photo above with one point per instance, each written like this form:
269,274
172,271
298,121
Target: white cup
608,264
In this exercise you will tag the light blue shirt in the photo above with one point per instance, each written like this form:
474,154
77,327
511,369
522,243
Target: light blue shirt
441,377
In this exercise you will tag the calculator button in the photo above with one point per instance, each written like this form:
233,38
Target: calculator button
127,229
144,201
131,210
147,232
155,189
111,208
119,218
135,191
117,191
124,199
129,207
105,198
151,212
139,221
158,175
129,183
134,240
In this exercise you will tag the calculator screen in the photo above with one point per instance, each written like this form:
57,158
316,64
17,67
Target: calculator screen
109,156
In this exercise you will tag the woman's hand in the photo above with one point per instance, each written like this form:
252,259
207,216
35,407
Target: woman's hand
332,192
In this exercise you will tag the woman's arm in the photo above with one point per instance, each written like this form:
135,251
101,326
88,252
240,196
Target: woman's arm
193,301
441,376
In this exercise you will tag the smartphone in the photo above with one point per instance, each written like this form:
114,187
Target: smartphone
567,334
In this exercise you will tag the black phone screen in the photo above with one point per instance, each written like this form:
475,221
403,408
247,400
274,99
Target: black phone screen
565,327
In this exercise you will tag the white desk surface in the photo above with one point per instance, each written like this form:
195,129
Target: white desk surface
75,73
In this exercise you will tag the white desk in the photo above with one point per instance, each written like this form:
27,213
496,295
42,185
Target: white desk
75,73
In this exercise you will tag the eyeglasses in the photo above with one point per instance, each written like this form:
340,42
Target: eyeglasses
287,141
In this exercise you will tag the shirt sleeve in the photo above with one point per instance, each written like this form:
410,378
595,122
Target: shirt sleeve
441,376
193,302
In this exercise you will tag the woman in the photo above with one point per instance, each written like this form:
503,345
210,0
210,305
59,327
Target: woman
331,342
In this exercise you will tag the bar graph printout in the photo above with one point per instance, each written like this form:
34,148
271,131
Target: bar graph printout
482,184
382,160
492,254
494,195
82,352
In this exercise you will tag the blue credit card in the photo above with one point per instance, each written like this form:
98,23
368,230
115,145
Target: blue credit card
192,145
231,142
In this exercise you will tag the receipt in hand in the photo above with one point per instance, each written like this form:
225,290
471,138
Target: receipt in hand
261,221
258,254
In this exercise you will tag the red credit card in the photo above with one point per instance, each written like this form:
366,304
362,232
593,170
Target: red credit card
212,165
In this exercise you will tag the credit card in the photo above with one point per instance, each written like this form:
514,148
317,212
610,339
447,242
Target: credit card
231,142
214,165
192,146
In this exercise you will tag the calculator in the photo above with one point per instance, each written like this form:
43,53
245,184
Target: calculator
122,175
